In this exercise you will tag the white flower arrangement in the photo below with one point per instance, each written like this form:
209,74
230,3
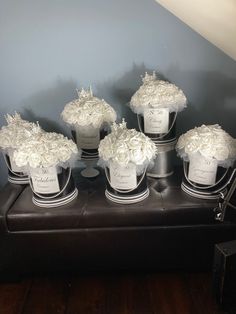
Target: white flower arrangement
154,93
88,110
123,146
46,150
211,141
17,131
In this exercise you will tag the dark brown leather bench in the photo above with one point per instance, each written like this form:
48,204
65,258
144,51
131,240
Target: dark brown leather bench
169,230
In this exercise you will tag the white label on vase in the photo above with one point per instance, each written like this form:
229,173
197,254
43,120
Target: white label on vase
45,180
13,165
202,170
123,178
88,139
156,120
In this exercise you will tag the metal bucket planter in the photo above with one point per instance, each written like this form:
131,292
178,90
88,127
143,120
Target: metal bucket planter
207,191
14,175
52,188
170,133
89,152
125,195
164,161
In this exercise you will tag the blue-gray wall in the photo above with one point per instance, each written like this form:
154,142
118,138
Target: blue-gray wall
48,48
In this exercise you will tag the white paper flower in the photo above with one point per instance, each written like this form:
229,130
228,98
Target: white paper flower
209,140
156,93
17,131
88,110
124,145
45,150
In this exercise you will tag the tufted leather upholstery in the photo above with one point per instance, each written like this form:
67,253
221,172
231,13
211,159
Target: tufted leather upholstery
169,230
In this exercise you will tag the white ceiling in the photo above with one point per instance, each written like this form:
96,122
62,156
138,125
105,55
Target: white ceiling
213,19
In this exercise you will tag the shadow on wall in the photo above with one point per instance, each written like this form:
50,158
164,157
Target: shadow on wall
119,91
211,99
209,95
46,105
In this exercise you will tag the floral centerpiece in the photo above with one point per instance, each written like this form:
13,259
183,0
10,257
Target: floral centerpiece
156,103
211,141
123,146
17,131
12,136
125,154
205,148
87,115
48,158
155,93
89,118
88,110
46,150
